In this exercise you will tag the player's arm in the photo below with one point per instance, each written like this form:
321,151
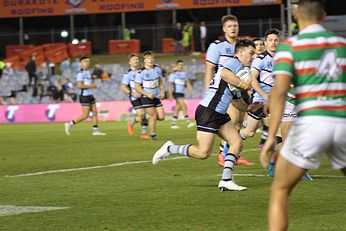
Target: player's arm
209,73
142,92
279,93
255,84
170,90
241,105
232,79
80,85
162,88
189,87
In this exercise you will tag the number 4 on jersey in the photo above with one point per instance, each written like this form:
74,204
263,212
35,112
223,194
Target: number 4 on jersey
328,66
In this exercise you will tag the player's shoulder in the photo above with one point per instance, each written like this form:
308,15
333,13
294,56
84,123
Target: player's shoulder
140,70
263,55
156,67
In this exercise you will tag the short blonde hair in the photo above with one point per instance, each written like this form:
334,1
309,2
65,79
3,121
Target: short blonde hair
229,17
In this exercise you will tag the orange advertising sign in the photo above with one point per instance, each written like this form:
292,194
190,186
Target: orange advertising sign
29,8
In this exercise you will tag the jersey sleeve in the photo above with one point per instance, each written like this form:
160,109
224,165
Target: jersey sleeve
257,64
126,79
138,78
171,78
283,60
79,77
213,54
232,66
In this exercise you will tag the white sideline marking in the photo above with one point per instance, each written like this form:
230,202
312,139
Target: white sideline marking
9,210
91,167
102,166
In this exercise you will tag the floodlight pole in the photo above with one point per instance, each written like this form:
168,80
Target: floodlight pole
123,20
72,27
174,18
21,33
289,17
282,17
229,10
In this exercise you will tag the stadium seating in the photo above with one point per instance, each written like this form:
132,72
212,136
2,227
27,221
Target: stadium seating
106,90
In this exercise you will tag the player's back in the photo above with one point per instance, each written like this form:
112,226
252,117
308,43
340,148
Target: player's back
319,74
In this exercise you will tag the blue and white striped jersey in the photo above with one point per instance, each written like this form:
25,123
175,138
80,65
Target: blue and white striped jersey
264,64
84,76
219,52
218,96
129,80
178,78
150,79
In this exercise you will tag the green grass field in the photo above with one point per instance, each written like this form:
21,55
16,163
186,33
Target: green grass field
177,194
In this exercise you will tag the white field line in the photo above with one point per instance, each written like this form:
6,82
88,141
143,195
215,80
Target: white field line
8,210
101,166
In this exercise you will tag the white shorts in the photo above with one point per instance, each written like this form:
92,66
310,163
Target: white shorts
289,112
312,136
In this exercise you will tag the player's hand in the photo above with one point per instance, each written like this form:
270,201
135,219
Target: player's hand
254,106
245,85
267,151
136,94
266,109
162,95
150,95
93,85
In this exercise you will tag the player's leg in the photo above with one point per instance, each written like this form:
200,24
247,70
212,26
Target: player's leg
137,107
83,116
144,123
208,122
175,115
238,123
183,107
229,133
251,127
96,130
286,177
151,111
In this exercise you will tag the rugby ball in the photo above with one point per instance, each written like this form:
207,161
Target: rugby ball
244,75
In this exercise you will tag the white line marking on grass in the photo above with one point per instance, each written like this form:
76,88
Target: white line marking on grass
103,166
91,167
9,210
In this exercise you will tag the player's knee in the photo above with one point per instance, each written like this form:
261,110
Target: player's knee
204,154
160,117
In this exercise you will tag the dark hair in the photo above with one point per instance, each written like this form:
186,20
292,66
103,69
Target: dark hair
243,43
147,53
229,17
271,31
83,57
132,55
311,9
256,39
180,61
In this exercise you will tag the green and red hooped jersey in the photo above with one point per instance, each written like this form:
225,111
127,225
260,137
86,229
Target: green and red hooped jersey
316,61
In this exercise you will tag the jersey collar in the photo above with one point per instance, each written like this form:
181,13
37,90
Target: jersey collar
313,29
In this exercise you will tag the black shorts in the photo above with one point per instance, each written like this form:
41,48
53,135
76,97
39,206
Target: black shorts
136,104
147,102
257,115
178,95
87,100
209,120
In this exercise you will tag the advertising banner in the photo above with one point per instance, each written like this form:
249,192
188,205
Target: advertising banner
61,112
30,8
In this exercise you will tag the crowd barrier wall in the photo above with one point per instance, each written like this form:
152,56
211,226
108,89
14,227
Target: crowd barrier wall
61,112
124,46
